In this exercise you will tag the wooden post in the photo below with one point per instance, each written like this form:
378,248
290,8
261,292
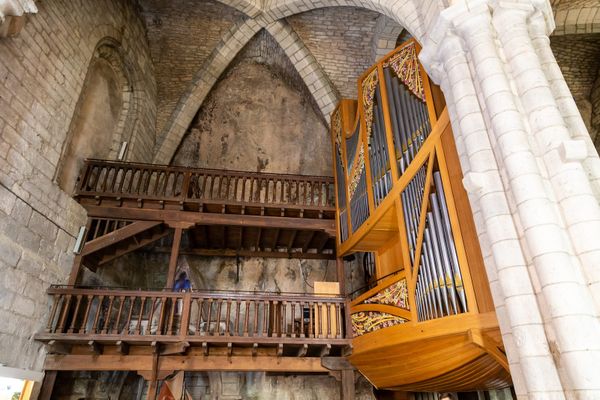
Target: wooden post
347,384
47,385
341,275
75,270
174,257
152,386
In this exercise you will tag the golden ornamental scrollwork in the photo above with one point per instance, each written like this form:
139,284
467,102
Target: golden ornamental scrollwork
394,295
336,127
406,67
369,321
357,171
369,84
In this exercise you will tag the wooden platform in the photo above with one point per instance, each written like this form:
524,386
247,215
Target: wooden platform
458,353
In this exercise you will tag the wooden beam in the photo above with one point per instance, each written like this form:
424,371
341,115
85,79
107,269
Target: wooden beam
47,385
347,389
257,244
248,253
174,256
95,347
336,363
116,236
174,348
311,235
55,347
122,347
183,363
75,270
132,247
325,225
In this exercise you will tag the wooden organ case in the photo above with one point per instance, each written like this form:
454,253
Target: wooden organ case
429,323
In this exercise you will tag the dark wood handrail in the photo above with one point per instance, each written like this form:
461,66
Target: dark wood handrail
107,314
254,296
104,178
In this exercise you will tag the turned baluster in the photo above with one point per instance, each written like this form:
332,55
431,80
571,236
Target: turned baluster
200,304
151,315
246,319
121,303
86,315
74,317
218,324
108,313
57,299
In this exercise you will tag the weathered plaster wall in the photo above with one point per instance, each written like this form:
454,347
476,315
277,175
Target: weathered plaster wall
340,38
182,33
41,76
258,118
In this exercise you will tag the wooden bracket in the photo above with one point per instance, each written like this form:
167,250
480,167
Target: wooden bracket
325,350
303,350
174,348
122,347
95,347
55,347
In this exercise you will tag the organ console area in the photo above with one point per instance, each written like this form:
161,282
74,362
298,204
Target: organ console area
428,322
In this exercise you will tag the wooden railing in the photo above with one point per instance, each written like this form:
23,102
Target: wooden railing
101,178
233,317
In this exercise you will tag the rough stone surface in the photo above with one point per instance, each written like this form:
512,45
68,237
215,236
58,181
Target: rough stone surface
254,121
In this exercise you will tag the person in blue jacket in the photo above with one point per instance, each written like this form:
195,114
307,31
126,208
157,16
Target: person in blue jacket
182,284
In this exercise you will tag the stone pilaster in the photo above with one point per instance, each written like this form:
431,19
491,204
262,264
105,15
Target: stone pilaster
530,192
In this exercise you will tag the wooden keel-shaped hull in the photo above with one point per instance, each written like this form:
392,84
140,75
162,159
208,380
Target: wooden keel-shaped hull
458,353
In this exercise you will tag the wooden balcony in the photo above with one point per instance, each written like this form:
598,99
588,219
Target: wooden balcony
102,329
224,213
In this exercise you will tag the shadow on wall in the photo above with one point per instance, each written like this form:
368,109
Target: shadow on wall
99,119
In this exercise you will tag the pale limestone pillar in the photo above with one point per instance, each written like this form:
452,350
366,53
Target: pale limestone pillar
531,188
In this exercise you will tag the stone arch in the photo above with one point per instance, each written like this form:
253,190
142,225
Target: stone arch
386,35
231,43
407,13
404,12
307,66
310,70
106,101
577,17
251,8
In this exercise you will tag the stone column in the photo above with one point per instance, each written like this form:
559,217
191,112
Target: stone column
530,192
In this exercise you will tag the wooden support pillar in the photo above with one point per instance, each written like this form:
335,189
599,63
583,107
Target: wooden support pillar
341,275
152,386
174,256
347,384
75,269
47,385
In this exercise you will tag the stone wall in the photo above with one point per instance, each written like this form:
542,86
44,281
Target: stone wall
182,34
340,38
258,118
579,59
42,71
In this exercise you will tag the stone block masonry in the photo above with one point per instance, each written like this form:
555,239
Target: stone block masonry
42,71
339,38
180,42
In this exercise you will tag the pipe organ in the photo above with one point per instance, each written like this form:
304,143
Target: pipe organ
429,323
